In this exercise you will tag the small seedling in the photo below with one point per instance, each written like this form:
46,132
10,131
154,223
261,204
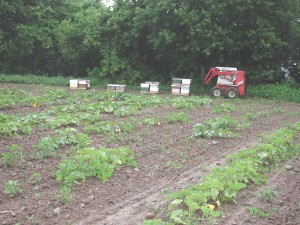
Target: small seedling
35,178
13,188
256,211
268,194
64,195
13,156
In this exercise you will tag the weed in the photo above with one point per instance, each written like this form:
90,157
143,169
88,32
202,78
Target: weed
35,178
104,127
189,102
13,156
64,196
32,219
177,117
225,107
46,148
13,188
174,165
256,211
277,110
152,121
156,222
268,194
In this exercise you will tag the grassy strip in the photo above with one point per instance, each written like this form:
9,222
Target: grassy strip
283,92
221,186
34,79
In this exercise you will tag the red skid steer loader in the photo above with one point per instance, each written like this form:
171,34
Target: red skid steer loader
231,82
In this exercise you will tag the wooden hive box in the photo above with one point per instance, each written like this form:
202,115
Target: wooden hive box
83,84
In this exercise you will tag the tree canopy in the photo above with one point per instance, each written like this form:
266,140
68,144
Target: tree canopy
134,40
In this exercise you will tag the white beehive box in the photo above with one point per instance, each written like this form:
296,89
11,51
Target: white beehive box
186,81
154,88
185,90
73,84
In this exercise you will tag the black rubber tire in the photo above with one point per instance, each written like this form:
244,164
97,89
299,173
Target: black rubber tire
216,92
232,93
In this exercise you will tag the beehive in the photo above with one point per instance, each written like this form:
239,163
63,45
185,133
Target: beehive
116,87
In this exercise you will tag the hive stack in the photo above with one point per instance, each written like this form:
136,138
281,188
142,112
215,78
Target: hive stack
116,87
181,86
150,87
80,84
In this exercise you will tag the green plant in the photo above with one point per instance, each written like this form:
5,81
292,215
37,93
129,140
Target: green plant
13,188
246,167
189,102
32,219
89,162
64,120
46,147
35,178
177,117
152,121
217,127
13,156
256,211
64,196
174,165
104,127
268,194
225,107
284,92
156,222
277,110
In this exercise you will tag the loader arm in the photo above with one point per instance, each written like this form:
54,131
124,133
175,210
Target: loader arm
210,74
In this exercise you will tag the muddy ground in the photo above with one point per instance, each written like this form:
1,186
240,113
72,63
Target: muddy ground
168,159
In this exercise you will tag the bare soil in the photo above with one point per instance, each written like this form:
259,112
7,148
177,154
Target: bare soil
168,160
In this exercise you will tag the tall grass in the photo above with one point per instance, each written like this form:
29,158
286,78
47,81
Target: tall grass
283,92
35,79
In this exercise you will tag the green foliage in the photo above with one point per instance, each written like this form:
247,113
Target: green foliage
10,98
152,121
104,127
225,107
65,194
256,211
189,102
283,92
35,178
92,162
13,188
64,120
268,194
217,127
156,222
177,117
12,125
13,156
47,146
222,185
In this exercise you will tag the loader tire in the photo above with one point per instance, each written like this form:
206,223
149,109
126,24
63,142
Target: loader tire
232,93
216,92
